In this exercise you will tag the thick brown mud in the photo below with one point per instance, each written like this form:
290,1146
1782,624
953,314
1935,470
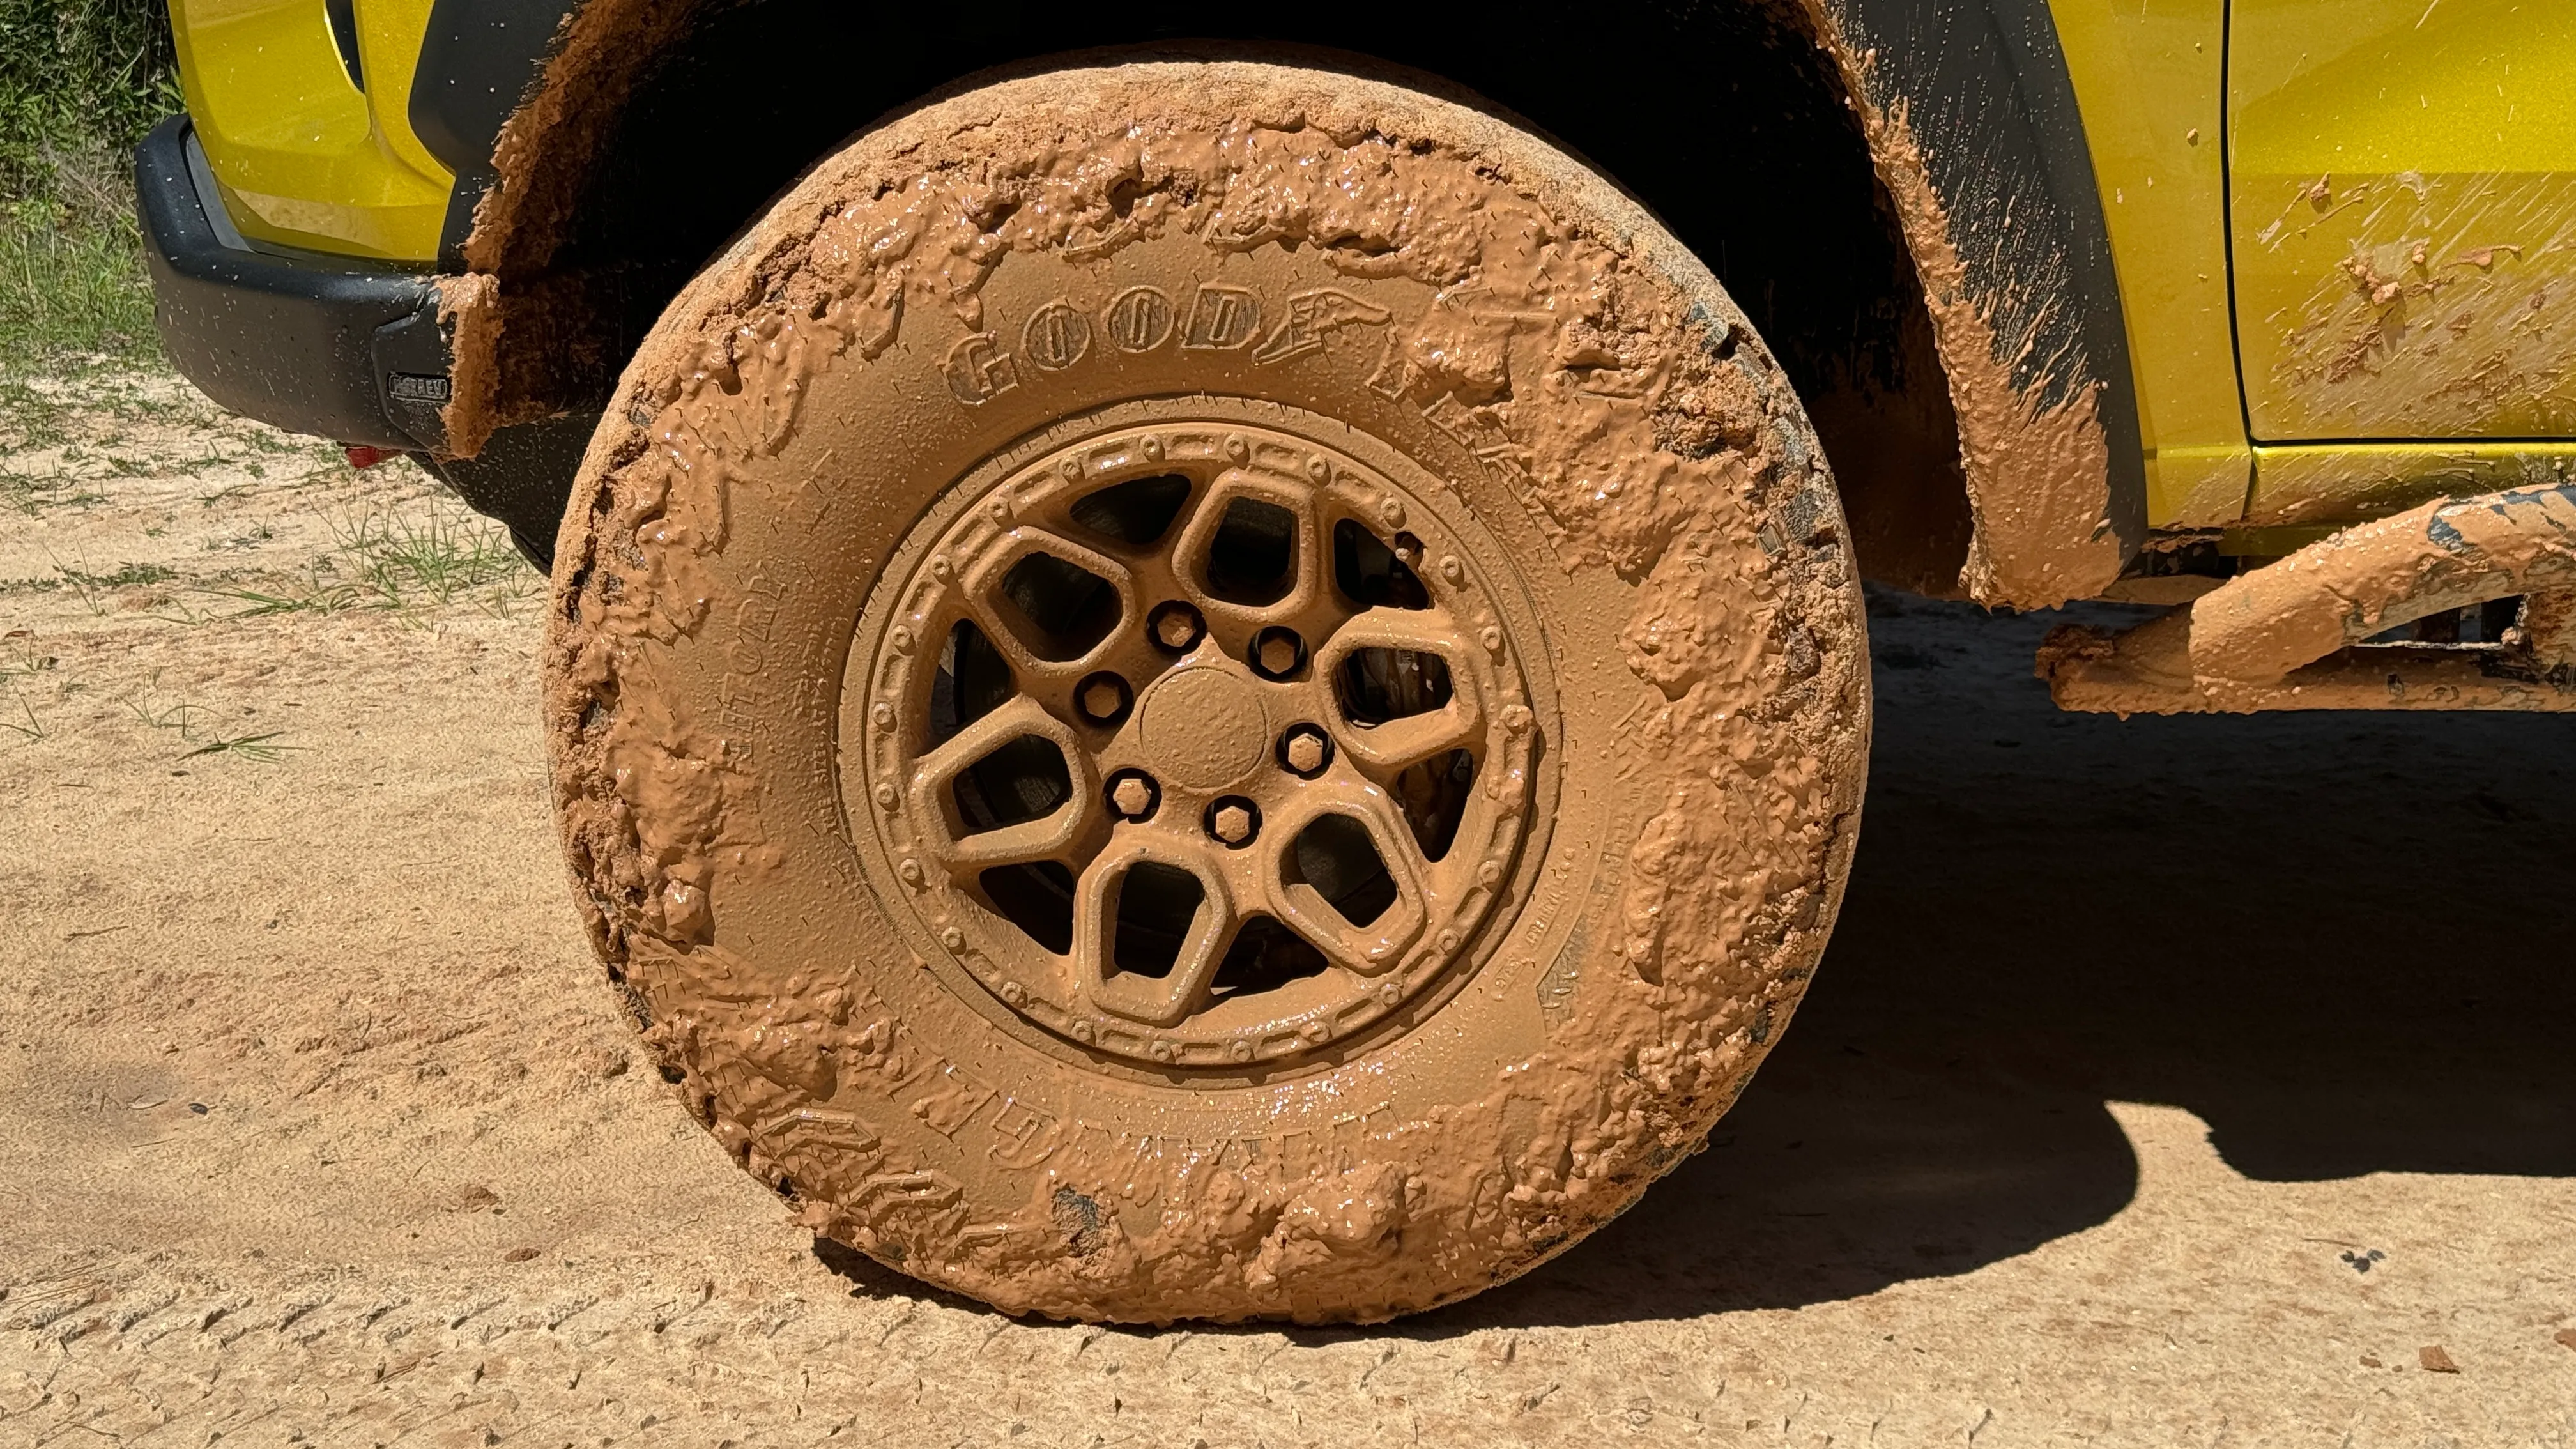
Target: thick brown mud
1589,367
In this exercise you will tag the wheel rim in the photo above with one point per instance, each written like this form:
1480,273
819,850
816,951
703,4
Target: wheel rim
1192,743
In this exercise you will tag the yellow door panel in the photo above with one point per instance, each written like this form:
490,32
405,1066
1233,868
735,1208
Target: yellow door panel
301,155
2148,81
2338,483
2404,217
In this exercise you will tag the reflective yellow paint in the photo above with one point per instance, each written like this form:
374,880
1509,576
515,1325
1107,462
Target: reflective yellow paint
2148,81
2405,219
301,156
2337,483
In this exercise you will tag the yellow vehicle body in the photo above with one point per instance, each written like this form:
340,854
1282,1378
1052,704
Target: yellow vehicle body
2340,226
2344,230
305,158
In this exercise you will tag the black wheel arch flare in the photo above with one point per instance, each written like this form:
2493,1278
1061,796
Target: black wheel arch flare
1982,85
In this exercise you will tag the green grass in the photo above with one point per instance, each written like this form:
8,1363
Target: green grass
386,561
180,718
80,82
71,283
261,747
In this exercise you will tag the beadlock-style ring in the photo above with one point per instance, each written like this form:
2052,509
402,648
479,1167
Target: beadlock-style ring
1193,743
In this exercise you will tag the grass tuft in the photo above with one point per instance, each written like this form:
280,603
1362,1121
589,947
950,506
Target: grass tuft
260,747
384,560
73,284
80,82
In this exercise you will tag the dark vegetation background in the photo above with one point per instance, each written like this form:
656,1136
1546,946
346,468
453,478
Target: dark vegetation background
80,82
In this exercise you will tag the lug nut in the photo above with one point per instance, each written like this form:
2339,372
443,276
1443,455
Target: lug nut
1103,698
1305,750
1277,652
1177,626
1234,820
1133,796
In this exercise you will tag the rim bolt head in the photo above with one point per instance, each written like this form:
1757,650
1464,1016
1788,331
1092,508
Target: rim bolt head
1392,512
1232,824
952,938
1489,874
1240,1050
1492,639
1152,448
1452,570
1278,652
1516,718
1132,797
1177,626
1103,698
1238,449
1306,750
1319,470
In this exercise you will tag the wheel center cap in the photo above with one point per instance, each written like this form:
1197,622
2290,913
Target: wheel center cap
1203,727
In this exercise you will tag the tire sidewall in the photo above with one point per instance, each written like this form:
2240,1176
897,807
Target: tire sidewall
815,1033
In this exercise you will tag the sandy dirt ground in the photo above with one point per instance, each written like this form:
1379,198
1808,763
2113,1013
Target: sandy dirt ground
2175,1082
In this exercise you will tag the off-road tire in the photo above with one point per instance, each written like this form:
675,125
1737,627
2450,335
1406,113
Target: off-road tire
1570,624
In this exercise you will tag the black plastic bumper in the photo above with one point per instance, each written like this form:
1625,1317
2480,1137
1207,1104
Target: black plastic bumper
314,346
308,345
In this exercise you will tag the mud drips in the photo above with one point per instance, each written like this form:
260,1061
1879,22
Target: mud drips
2038,471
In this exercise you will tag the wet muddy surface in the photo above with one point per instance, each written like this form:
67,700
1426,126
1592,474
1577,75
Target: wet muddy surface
2169,1081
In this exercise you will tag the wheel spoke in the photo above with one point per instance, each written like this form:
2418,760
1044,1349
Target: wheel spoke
1051,606
1344,873
1151,920
1402,689
1252,549
1049,836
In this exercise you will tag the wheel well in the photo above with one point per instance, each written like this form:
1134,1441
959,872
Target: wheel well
661,130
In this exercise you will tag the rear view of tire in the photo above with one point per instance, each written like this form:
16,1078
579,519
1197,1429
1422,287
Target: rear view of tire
1196,688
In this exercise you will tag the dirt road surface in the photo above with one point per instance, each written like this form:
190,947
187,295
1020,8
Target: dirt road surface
2175,1082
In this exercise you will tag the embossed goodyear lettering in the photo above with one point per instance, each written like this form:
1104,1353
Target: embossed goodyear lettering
1311,315
978,371
1222,318
1139,320
1056,336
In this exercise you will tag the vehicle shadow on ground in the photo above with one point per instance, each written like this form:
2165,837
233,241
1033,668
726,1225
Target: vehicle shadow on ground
2344,941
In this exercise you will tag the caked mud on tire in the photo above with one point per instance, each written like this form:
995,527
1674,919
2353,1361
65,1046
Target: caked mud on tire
1070,463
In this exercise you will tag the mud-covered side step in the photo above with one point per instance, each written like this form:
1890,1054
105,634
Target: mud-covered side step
2295,635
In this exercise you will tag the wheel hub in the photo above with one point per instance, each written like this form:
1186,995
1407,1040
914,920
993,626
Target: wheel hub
1190,742
1205,724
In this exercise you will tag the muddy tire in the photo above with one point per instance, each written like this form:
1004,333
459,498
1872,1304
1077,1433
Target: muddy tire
1207,689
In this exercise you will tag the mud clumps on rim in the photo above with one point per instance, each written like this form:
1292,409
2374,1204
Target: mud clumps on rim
1562,342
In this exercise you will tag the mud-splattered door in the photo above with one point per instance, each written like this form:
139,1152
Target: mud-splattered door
2403,195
